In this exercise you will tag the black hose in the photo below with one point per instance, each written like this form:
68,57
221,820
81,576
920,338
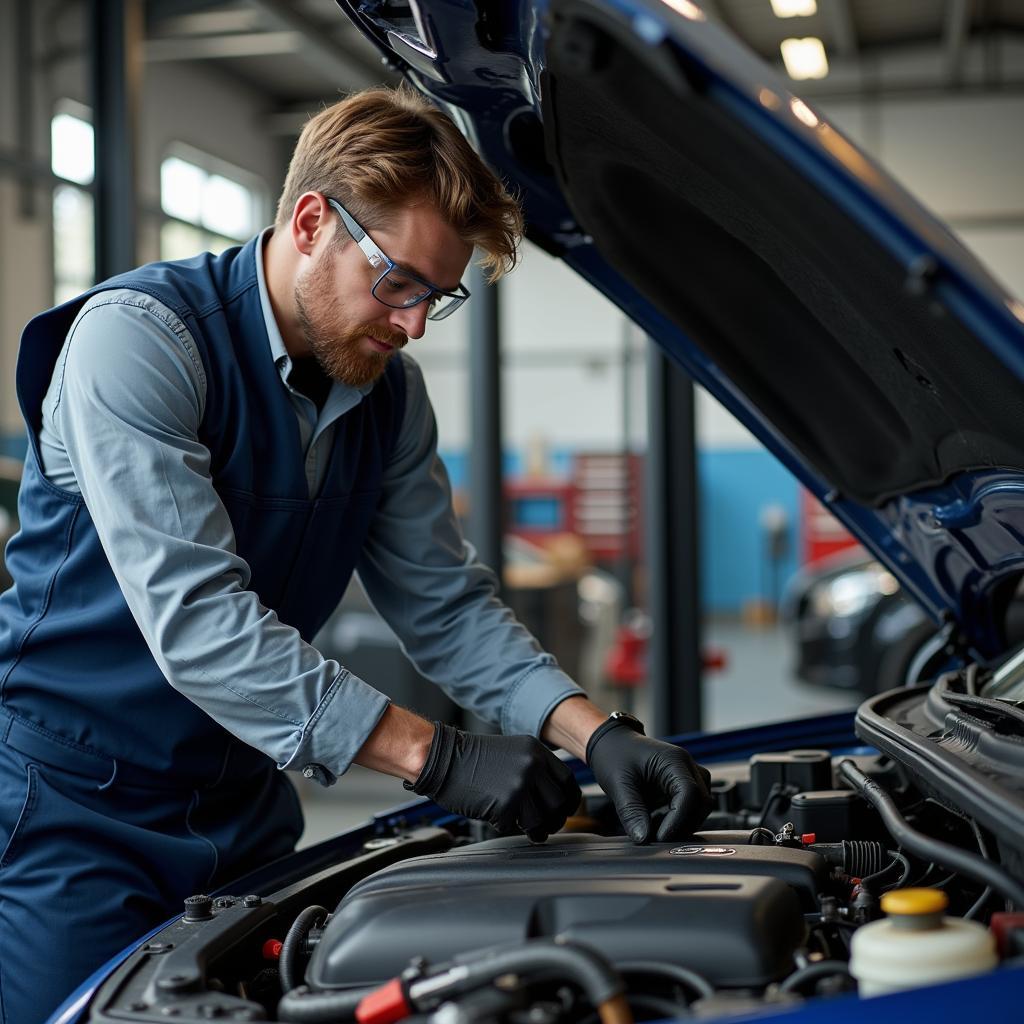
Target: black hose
304,1007
982,848
876,883
776,791
979,904
541,957
821,969
917,843
857,858
863,859
683,975
308,918
548,958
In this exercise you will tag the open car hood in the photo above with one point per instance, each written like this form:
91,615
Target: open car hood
780,266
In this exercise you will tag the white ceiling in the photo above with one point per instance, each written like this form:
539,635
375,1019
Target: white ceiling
298,51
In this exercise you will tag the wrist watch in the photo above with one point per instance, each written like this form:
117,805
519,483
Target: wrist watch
615,719
627,719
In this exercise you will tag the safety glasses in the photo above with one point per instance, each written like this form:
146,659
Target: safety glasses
397,287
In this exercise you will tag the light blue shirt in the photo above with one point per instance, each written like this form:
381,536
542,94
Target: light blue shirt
120,426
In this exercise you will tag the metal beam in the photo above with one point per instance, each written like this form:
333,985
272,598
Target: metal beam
229,46
955,29
486,513
209,23
486,528
116,83
25,107
347,69
625,568
672,555
842,33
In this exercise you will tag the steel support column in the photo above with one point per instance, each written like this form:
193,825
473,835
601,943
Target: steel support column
25,109
116,86
486,525
486,519
672,552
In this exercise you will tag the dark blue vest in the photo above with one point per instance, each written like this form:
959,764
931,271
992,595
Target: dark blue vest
74,668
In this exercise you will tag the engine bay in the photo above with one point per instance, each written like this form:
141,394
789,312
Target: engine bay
438,919
656,903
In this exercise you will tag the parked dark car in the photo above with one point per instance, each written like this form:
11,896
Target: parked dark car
853,627
868,350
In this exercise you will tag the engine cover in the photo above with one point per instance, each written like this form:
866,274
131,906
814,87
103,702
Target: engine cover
630,903
564,855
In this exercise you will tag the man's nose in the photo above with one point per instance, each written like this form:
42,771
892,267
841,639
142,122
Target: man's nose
411,321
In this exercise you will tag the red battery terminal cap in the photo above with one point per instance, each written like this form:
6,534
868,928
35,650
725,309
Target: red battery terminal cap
1003,925
808,838
272,949
384,1006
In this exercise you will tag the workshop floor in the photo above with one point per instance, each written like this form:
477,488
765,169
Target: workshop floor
756,686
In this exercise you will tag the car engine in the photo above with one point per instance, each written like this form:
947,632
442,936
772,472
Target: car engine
436,919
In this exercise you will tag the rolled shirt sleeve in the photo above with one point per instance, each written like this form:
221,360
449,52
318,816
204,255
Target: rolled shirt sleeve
121,426
441,601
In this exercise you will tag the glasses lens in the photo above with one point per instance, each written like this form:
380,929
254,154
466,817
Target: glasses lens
444,305
399,290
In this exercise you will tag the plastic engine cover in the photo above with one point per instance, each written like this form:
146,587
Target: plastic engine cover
736,930
590,856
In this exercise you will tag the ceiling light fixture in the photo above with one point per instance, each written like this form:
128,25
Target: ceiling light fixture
794,8
804,58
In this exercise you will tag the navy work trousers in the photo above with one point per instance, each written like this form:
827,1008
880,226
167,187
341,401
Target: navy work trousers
88,866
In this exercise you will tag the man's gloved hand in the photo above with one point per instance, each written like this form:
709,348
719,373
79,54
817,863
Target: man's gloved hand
513,782
640,774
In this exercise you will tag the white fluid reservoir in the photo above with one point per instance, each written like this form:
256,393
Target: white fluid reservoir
916,944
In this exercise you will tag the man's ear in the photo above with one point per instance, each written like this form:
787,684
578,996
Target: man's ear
310,221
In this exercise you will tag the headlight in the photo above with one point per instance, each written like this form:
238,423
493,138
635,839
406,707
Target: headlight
852,592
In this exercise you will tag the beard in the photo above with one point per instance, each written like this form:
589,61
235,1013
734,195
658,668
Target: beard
336,344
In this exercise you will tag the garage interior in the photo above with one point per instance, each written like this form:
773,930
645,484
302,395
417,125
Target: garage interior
136,130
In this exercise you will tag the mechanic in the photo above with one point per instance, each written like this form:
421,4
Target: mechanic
215,446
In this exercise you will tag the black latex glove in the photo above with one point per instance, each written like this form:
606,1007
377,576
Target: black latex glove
513,782
640,774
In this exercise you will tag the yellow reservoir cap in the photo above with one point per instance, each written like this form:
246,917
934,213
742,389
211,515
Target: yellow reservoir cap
915,901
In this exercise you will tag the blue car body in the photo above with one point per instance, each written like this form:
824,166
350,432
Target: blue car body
525,81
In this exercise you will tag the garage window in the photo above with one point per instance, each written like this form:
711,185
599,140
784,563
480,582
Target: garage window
207,204
71,160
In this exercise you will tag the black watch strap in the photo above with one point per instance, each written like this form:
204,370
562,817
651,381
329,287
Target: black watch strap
439,760
616,720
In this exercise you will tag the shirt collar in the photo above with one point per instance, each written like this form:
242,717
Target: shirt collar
278,352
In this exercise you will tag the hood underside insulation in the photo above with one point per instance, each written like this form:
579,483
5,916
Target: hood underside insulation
878,388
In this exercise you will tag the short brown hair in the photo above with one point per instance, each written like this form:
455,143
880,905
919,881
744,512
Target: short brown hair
380,148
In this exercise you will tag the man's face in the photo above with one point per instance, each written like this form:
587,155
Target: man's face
351,334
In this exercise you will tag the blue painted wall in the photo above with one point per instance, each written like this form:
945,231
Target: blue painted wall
735,486
13,446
